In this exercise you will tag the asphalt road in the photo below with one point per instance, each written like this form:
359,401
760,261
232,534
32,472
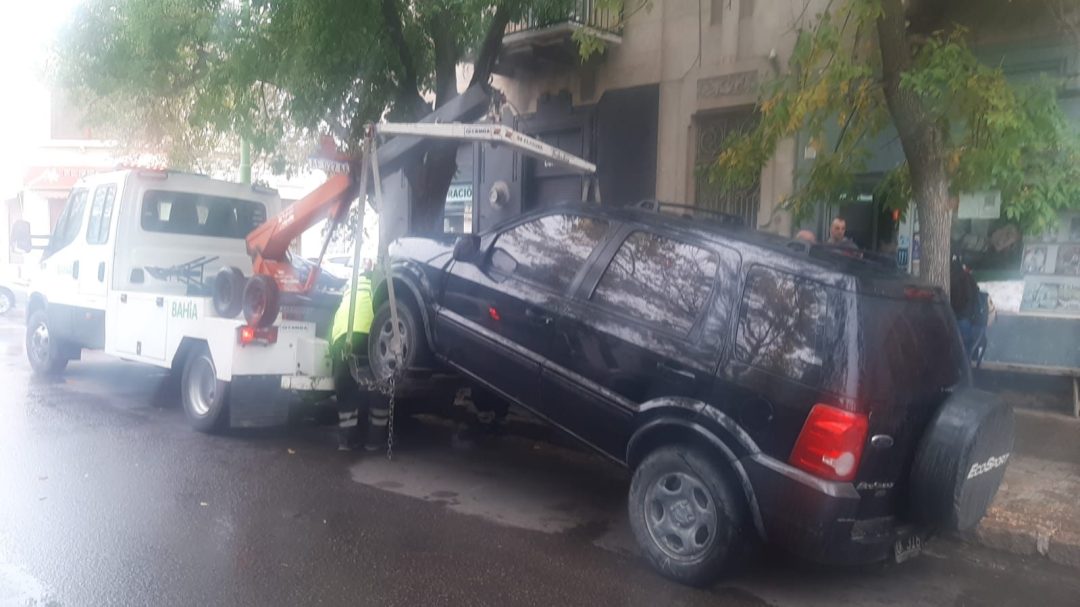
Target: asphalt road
107,498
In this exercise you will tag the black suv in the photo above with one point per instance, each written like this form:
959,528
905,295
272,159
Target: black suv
756,386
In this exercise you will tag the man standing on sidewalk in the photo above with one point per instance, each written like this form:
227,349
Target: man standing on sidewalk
838,234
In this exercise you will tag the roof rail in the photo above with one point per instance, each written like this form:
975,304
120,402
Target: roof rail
689,211
827,251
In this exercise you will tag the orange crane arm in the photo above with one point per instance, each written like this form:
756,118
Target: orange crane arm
268,244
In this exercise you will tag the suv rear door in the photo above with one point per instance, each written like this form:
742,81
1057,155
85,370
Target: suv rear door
496,316
634,332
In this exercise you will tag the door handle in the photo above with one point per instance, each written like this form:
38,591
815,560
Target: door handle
101,271
160,301
75,269
672,370
538,317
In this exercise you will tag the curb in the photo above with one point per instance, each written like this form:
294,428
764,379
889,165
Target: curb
1036,512
1024,539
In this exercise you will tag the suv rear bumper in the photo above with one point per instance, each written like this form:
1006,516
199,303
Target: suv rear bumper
816,519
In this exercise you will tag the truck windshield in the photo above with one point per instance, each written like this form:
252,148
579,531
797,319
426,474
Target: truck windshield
200,214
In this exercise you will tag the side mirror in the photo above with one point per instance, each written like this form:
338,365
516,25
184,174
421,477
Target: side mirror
467,248
20,237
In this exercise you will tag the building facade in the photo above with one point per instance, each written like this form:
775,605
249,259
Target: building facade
675,78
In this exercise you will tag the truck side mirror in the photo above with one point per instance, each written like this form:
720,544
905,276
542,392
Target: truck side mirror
467,248
20,237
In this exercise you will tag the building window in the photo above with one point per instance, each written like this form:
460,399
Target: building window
719,7
712,130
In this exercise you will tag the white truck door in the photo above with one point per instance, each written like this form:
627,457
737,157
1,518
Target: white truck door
95,269
61,267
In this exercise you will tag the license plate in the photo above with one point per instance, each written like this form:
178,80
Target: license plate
906,548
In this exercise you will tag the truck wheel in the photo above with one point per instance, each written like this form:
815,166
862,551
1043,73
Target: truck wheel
685,515
44,352
203,394
7,301
261,301
414,350
228,295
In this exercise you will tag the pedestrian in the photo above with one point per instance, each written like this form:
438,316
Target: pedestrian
838,234
964,299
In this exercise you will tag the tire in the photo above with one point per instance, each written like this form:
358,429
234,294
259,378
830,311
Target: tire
45,353
228,294
961,461
205,397
415,351
7,301
262,301
686,516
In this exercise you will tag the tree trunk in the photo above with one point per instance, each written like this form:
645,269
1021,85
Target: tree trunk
923,141
931,191
430,179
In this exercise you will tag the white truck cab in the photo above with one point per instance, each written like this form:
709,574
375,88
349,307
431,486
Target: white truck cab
130,269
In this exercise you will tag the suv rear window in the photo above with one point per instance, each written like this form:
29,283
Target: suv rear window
659,280
200,214
917,349
784,327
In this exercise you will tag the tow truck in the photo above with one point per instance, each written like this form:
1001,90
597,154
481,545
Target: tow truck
147,266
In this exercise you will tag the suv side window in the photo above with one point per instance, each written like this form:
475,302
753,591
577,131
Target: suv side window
67,227
550,250
97,229
659,280
782,325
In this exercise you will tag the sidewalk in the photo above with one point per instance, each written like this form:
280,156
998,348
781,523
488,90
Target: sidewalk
1037,509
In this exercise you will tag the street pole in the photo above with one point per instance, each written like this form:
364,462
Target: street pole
245,160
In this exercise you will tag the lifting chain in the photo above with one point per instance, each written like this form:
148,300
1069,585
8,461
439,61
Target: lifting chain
388,388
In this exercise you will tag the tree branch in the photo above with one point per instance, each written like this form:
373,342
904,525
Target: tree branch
491,46
408,102
447,53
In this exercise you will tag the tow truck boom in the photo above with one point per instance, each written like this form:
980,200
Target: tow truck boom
268,244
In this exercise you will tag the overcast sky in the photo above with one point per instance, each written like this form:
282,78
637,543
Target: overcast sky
27,30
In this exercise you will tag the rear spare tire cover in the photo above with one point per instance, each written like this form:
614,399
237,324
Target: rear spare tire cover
961,460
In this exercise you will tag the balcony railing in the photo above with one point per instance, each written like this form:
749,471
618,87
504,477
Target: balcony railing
582,13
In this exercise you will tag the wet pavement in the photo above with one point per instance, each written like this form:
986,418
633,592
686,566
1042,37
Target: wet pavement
108,498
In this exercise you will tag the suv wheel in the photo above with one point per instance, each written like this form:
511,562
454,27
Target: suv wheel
381,341
203,394
685,515
43,350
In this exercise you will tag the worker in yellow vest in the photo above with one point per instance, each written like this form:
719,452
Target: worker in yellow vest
352,399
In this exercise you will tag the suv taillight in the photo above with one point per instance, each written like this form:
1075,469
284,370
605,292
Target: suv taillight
831,443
